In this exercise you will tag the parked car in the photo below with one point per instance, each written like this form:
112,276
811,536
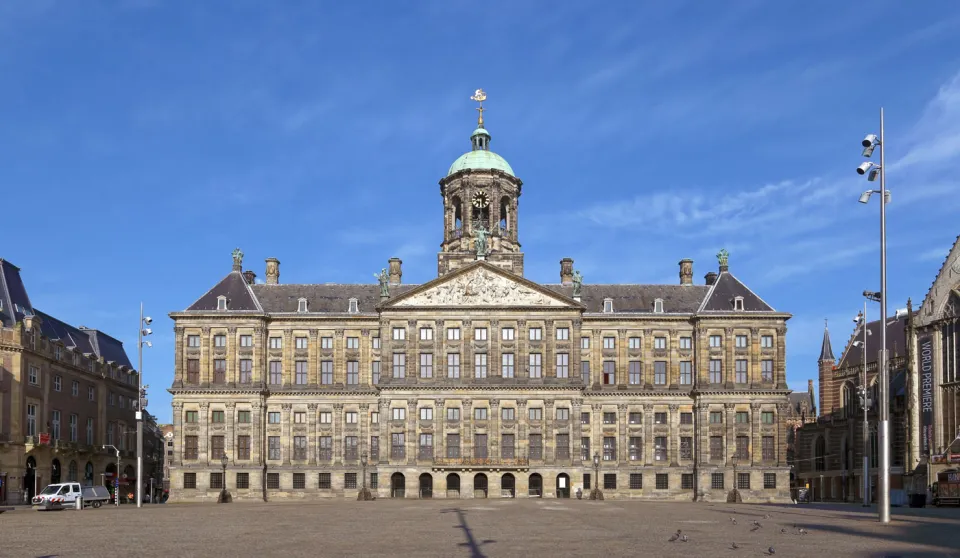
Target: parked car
64,495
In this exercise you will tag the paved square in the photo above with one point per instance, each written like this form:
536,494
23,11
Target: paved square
476,528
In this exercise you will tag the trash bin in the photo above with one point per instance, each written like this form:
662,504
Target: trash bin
78,503
918,500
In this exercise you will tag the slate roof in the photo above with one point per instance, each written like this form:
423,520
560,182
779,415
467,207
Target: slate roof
826,349
725,289
637,298
83,340
329,297
14,302
896,342
234,287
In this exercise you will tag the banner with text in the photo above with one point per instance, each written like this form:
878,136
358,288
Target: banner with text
925,346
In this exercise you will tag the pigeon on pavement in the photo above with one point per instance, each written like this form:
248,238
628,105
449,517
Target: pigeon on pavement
734,546
683,538
770,551
674,537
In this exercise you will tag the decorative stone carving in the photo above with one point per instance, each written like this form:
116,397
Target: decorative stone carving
622,407
781,331
755,407
205,330
754,331
494,403
365,332
338,407
286,406
481,287
578,402
204,406
338,333
311,407
647,408
728,331
647,332
232,330
729,406
674,408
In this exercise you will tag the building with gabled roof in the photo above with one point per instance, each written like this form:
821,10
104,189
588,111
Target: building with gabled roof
480,382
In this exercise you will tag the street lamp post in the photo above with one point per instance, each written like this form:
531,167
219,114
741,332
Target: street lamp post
141,333
116,479
364,491
865,403
873,170
596,493
224,495
736,484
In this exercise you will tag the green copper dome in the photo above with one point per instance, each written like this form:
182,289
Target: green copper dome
480,158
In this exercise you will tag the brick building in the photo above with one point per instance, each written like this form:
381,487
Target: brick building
65,391
481,382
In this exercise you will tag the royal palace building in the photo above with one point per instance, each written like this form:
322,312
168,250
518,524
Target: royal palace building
481,382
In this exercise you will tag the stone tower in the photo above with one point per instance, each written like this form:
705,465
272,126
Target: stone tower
825,365
480,199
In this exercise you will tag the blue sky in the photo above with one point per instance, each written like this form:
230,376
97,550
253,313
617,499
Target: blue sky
141,141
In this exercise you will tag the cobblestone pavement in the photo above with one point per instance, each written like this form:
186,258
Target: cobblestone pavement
477,528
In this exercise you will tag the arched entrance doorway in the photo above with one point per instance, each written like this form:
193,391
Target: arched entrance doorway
109,475
536,485
563,485
453,485
30,479
508,486
426,485
88,474
480,485
55,471
398,485
72,472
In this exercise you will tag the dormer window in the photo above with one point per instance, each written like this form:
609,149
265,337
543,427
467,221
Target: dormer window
738,303
607,305
352,306
658,306
221,302
301,305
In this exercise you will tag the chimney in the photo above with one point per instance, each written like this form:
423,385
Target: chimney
810,387
273,271
566,271
250,277
710,278
686,271
396,271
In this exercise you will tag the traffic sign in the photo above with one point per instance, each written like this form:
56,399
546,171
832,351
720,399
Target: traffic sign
44,438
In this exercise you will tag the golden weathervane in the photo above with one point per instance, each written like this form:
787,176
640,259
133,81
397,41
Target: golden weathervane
479,96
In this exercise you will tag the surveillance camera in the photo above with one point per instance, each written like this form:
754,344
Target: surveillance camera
873,174
865,197
148,320
857,343
870,139
147,331
864,167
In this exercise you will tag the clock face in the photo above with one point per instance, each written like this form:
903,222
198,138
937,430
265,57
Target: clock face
480,200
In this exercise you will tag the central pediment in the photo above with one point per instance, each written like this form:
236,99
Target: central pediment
481,284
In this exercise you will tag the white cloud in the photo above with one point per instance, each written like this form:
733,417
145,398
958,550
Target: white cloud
933,255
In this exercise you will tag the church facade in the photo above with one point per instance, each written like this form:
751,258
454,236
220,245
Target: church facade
481,382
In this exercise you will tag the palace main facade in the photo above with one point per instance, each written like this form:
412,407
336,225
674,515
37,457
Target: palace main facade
480,383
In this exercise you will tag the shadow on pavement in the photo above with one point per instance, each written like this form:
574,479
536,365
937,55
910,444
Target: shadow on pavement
471,543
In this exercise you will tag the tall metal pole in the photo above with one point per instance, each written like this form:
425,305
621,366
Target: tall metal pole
866,428
883,499
140,409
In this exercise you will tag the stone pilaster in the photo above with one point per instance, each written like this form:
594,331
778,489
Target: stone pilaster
467,436
412,441
523,447
233,367
206,363
204,441
440,430
648,434
230,436
780,366
549,436
576,432
493,436
623,446
339,365
178,432
755,444
729,358
753,367
179,364
673,440
622,366
384,406
286,438
259,355
313,358
730,441
313,442
701,355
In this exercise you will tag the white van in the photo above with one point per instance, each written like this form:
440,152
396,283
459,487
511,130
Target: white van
65,495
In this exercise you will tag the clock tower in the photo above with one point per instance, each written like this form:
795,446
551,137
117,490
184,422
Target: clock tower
480,199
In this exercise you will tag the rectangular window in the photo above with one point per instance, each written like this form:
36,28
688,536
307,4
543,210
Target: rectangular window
453,414
399,365
634,343
716,371
686,343
217,417
716,481
660,448
326,448
246,340
326,342
609,418
609,372
480,334
398,413
375,342
766,341
480,365
480,446
352,417
191,417
741,371
766,417
536,446
635,373
686,372
399,334
375,417
716,417
193,371
716,447
768,449
535,413
375,371
273,481
686,481
189,481
73,428
453,333
635,448
243,447
350,445
508,413
90,432
660,343
663,481
243,417
374,481
587,480
57,383
273,447
609,481
507,446
246,371
301,372
766,370
506,365
353,372
563,446
374,449
276,372
585,449
350,481
585,372
193,341
609,343
243,481
769,481
636,481
660,418
426,334
299,447
686,418
563,365
743,447
741,341
507,334
91,393
453,445
563,414
536,365
353,343
743,481
563,334
301,343
191,447
480,413
660,373
426,413
276,342
584,342
273,417
326,372
634,417
453,365
324,482
536,334
716,341
609,448
585,417
299,481
686,447
742,417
